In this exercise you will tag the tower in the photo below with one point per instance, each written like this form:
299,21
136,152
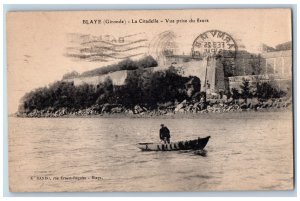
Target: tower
215,81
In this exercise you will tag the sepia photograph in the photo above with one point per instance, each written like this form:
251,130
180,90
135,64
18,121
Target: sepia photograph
186,100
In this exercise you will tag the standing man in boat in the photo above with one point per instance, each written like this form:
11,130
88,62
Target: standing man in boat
164,134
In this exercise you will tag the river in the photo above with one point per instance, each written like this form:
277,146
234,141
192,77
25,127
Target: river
246,151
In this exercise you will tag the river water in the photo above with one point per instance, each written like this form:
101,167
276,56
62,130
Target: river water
247,151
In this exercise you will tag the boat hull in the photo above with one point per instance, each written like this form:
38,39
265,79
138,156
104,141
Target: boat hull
197,144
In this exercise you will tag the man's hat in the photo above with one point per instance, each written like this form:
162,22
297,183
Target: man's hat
161,124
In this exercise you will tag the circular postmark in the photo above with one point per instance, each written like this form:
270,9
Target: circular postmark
214,43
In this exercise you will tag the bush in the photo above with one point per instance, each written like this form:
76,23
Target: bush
267,90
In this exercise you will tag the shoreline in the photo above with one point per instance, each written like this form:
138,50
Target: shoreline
185,109
186,115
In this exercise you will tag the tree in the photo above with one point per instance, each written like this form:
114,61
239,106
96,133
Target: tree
235,93
127,64
147,62
245,93
266,90
142,87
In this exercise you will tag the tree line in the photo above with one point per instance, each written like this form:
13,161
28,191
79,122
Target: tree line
261,90
142,87
127,64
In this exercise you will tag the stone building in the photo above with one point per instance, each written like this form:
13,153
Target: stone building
274,66
208,70
217,76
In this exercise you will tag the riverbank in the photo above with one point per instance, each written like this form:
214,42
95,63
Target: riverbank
185,109
250,114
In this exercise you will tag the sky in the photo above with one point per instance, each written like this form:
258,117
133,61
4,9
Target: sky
43,46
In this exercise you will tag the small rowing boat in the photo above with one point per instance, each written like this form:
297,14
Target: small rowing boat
197,144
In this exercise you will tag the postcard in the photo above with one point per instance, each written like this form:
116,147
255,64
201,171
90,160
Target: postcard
185,100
